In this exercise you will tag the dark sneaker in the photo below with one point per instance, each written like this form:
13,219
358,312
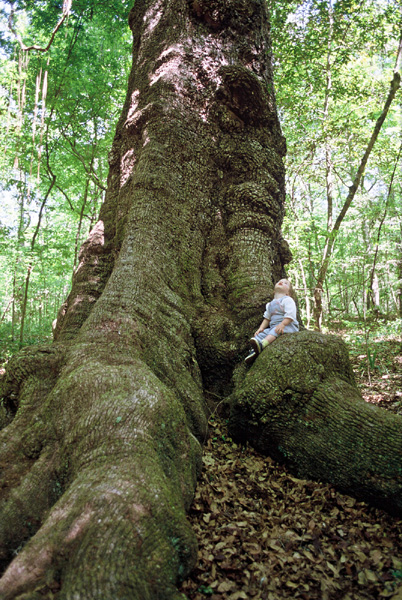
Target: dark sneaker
250,358
256,345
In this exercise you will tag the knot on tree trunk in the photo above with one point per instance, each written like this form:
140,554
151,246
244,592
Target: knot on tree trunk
284,251
31,364
245,95
300,404
218,14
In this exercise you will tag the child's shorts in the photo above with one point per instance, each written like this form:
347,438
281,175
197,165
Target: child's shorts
292,328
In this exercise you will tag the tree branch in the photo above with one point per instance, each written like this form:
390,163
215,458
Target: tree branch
89,170
66,11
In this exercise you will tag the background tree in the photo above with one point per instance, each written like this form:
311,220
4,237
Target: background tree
60,108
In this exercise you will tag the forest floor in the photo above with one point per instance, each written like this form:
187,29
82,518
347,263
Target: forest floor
266,535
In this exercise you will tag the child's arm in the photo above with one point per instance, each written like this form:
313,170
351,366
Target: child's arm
279,328
264,325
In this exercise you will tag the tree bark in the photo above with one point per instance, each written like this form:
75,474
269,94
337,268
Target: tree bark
103,430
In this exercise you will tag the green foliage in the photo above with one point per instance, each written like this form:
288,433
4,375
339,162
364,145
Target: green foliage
206,590
333,65
58,111
371,356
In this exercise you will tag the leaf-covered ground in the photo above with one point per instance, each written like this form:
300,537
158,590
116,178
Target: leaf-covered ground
264,534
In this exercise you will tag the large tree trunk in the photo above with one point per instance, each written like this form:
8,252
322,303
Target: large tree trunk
101,447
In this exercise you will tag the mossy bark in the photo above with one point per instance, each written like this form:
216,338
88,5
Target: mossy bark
300,404
102,433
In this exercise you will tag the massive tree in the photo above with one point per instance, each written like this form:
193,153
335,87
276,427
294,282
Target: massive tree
103,429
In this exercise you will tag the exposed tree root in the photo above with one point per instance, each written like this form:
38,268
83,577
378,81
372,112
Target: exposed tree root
299,403
126,470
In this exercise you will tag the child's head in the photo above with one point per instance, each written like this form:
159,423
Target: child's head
285,287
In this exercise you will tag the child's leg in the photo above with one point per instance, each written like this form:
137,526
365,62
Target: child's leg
258,346
268,340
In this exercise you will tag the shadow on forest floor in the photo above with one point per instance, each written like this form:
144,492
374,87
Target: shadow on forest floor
264,534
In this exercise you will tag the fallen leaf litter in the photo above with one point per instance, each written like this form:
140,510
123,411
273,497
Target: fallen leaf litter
264,534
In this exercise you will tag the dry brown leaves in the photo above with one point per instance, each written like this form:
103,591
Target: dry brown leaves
264,534
384,386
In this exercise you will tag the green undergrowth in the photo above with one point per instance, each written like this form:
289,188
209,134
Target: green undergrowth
375,350
10,344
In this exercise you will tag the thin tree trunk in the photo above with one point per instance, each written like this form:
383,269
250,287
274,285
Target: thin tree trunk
42,122
399,270
306,293
373,277
83,206
19,254
318,308
390,287
9,110
24,304
35,115
78,234
30,266
10,303
13,309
